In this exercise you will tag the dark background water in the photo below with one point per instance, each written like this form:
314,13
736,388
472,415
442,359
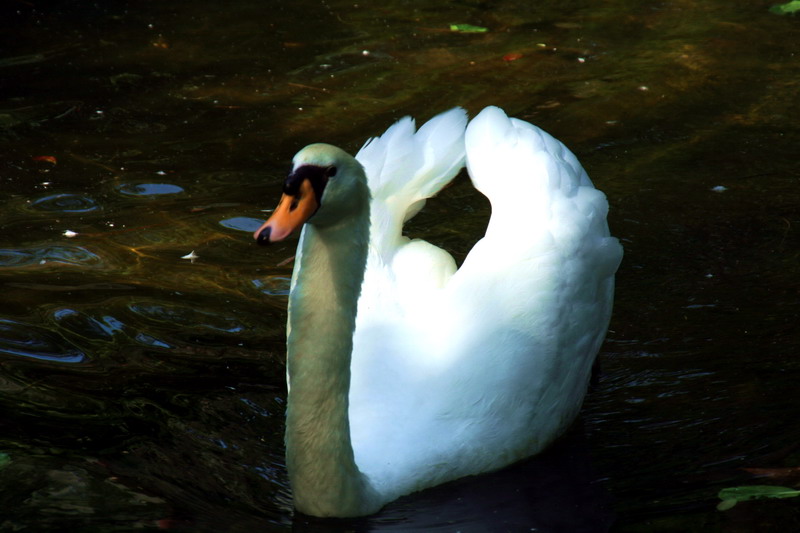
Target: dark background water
143,389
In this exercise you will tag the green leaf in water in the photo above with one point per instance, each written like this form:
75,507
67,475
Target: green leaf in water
469,28
724,505
4,459
732,495
789,8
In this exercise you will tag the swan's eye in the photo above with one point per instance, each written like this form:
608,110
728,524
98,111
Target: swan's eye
331,172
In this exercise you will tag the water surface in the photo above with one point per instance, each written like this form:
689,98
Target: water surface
142,331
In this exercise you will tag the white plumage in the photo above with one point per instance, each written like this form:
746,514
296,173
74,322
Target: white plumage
451,372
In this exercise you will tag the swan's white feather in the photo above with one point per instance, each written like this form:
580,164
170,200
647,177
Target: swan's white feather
461,372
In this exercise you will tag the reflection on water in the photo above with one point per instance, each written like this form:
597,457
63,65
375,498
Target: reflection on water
27,340
141,333
248,224
65,203
48,257
149,189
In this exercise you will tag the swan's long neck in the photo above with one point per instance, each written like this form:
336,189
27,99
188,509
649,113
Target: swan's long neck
327,280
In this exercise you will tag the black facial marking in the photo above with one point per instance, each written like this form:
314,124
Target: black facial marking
316,175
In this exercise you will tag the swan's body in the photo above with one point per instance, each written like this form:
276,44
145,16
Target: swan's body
429,373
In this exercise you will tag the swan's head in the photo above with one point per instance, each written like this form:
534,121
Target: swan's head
325,183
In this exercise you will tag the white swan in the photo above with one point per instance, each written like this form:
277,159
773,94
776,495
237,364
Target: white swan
422,373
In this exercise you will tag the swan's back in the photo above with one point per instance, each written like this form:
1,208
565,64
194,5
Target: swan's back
490,363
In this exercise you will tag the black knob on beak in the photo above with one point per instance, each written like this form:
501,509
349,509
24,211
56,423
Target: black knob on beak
263,236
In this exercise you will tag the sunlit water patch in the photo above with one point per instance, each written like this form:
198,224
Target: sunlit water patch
27,340
65,203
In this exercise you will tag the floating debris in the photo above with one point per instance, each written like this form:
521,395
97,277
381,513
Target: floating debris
732,495
789,8
719,188
46,158
191,256
468,28
69,233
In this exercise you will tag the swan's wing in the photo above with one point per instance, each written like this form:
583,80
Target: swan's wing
543,273
408,165
542,199
404,167
506,347
494,364
547,253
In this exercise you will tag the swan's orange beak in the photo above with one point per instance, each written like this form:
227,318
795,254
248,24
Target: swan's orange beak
291,213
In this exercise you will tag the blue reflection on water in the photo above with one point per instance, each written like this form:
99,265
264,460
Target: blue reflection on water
149,189
274,285
186,316
42,255
83,324
27,340
147,340
247,224
66,203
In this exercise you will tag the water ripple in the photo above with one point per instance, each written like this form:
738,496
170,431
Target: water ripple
273,285
177,315
42,255
147,340
87,326
103,328
27,340
65,203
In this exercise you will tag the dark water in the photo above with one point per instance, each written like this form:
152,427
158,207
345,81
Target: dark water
142,387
